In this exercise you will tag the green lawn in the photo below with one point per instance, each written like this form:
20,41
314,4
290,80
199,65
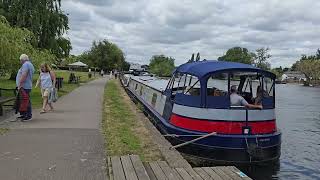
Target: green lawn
124,133
36,94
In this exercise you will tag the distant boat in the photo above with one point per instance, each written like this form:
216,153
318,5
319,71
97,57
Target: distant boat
280,82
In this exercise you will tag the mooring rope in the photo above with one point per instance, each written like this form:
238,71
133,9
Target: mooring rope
193,140
182,135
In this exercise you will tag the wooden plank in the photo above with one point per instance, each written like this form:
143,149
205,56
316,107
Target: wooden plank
213,174
221,173
203,174
158,171
6,99
193,174
117,169
239,173
150,171
230,173
184,174
128,168
169,172
139,168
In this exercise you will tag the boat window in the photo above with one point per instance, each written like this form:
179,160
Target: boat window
250,87
154,99
266,95
247,83
217,91
187,91
141,88
186,84
268,86
217,85
136,87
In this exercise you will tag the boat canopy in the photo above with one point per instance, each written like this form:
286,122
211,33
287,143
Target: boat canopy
203,68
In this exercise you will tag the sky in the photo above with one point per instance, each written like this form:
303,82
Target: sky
143,28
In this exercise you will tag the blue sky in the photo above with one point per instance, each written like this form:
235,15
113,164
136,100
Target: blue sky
143,28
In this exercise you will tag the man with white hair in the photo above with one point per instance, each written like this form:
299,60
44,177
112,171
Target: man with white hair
24,80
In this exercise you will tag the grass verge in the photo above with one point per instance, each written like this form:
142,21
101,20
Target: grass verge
36,98
3,130
124,132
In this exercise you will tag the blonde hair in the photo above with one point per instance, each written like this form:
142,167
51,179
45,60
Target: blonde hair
46,66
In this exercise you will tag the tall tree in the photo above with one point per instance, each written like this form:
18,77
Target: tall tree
104,55
42,17
14,42
238,54
310,66
161,65
261,57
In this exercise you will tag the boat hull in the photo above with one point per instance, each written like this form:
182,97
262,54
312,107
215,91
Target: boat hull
252,154
220,148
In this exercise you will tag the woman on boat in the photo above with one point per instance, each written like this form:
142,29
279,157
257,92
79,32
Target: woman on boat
47,80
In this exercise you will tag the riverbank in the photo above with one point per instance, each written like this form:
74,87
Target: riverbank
124,132
36,93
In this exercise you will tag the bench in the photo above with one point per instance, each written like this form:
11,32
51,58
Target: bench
59,81
5,99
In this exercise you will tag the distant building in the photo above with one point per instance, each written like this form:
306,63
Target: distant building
138,67
293,76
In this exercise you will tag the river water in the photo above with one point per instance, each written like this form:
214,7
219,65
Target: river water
298,117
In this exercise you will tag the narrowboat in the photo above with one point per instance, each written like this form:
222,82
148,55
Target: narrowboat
195,102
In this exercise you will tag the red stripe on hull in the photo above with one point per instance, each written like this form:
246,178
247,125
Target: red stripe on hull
222,127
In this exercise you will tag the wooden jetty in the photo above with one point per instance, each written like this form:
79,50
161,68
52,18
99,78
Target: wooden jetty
130,167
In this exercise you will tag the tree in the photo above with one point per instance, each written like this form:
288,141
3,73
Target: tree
14,42
44,18
294,66
104,55
126,66
261,57
161,65
277,71
310,66
70,59
238,54
61,49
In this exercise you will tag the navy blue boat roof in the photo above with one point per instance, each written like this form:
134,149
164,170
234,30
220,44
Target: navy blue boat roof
203,68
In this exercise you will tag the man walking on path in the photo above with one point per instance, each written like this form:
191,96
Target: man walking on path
24,80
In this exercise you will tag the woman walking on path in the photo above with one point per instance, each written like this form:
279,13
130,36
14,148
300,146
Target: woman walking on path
47,80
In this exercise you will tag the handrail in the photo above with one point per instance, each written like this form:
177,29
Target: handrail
237,107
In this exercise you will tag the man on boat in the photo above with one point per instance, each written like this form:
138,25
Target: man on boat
237,100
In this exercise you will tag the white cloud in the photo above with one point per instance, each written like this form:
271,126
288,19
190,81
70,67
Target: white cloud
179,28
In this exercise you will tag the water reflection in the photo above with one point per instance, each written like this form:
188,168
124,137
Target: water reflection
263,172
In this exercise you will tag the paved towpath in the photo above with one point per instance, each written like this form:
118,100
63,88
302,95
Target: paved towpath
63,145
